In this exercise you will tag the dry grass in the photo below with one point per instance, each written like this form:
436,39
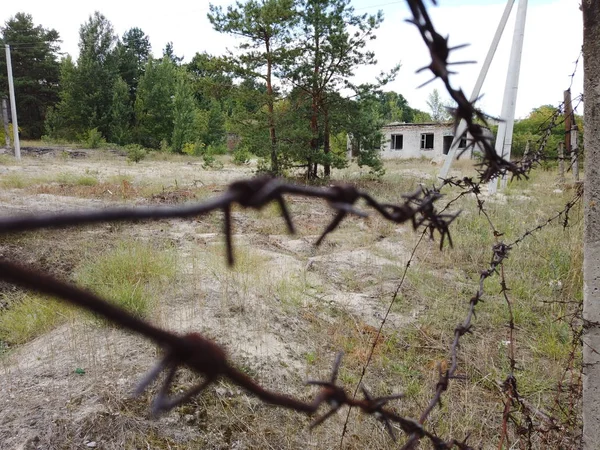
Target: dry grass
286,308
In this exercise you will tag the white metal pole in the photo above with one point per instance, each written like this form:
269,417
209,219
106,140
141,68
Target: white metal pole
462,126
504,139
13,104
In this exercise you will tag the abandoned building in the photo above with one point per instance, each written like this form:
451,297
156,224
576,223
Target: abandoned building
416,140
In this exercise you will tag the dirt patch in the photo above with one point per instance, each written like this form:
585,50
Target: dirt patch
263,312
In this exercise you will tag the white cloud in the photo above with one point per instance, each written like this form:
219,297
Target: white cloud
552,41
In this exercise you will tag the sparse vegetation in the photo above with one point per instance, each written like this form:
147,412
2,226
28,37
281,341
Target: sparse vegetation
286,307
30,316
129,274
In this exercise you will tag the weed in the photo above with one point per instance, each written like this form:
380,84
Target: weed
129,275
77,180
30,316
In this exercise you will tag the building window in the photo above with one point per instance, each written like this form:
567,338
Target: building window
397,141
462,143
427,141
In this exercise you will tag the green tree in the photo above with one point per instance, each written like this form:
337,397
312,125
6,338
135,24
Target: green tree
332,45
36,70
439,110
169,52
120,114
532,129
132,53
211,80
86,94
393,107
184,113
266,28
154,103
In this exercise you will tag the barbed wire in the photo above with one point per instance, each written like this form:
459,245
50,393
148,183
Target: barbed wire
492,165
202,355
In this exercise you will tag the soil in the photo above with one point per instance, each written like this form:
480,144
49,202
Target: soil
72,388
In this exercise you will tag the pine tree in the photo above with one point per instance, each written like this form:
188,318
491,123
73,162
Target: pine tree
36,71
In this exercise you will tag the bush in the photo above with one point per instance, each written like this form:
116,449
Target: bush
210,162
216,149
241,156
135,153
164,146
93,139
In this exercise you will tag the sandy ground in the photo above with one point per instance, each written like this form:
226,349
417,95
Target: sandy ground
263,312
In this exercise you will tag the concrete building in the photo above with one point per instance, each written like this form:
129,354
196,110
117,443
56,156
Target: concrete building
416,140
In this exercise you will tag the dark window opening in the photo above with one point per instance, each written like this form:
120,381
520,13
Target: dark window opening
397,141
427,141
462,143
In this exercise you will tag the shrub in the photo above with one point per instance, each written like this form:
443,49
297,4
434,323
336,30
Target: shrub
135,153
164,146
241,156
93,139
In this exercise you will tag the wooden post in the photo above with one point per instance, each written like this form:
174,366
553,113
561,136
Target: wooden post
591,237
5,120
571,135
575,151
561,162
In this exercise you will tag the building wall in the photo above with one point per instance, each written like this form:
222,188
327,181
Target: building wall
411,141
411,136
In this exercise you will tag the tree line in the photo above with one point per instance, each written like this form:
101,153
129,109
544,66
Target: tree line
285,94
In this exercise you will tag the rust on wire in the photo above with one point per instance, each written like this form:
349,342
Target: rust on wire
194,351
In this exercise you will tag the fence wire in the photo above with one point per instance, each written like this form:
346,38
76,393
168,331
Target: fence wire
209,360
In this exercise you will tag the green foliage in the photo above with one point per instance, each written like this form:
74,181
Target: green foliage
154,103
10,133
36,70
241,156
210,162
532,129
86,95
439,108
128,275
93,139
266,27
169,53
393,107
132,53
120,114
135,153
194,149
164,146
30,316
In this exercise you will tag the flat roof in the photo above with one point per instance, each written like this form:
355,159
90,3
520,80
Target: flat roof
405,124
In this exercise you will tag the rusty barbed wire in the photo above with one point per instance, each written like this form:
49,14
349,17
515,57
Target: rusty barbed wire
418,208
500,252
202,355
492,165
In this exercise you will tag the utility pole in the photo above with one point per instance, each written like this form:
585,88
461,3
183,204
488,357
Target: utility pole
13,104
462,126
591,239
505,128
5,122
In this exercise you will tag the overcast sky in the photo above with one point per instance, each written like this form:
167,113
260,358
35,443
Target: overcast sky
553,39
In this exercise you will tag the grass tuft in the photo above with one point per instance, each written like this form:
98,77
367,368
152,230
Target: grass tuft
30,316
129,275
